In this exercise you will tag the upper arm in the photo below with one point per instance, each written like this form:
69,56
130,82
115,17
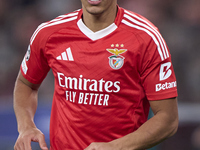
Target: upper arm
23,81
167,108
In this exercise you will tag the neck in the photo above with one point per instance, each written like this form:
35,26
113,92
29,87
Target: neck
96,22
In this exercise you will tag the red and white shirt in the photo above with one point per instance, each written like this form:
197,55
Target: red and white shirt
103,80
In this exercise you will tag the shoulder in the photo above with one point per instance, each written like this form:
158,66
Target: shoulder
139,25
145,31
137,21
45,29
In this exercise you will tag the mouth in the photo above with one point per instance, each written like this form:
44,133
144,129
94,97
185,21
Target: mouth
94,2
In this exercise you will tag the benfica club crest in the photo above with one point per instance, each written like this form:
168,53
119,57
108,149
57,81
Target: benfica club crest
116,61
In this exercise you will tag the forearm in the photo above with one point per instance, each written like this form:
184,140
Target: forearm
25,105
154,131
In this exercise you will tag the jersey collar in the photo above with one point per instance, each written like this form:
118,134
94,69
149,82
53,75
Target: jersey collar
102,33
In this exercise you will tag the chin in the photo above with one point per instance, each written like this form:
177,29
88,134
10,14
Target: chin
95,11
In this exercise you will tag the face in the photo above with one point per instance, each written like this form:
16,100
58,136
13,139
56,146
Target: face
97,7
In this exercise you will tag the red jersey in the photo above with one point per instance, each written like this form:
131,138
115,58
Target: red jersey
103,80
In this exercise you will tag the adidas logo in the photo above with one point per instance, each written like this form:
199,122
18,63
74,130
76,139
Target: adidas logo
67,55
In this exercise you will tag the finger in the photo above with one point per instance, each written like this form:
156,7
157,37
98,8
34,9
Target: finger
27,144
16,146
91,147
19,145
42,142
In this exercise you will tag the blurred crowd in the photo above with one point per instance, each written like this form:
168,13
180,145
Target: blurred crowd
177,20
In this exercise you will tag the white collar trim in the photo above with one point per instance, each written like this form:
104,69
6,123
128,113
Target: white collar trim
96,35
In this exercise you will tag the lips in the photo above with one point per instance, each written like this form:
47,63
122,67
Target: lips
94,2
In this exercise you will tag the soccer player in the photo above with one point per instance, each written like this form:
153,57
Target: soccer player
110,66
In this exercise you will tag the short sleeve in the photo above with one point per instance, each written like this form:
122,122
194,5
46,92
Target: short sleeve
34,66
158,76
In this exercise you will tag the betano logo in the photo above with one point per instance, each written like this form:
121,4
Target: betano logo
66,55
165,86
165,73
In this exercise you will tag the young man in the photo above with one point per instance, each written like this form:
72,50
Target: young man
110,65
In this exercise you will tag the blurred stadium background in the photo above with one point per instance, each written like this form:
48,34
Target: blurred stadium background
178,22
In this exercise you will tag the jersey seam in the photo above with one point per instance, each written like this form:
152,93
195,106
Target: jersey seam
45,49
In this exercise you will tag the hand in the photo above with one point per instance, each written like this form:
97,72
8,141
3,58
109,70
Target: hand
24,139
101,146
